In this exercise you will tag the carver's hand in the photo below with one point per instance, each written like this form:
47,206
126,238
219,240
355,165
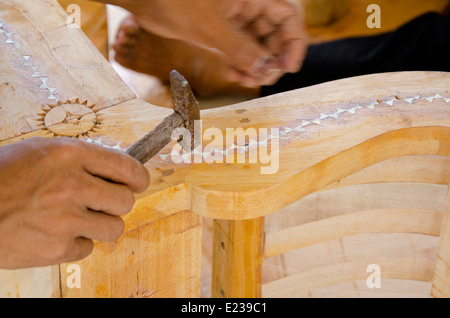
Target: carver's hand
262,39
57,195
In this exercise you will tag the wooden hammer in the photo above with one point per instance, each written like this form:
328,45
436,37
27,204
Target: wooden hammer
186,111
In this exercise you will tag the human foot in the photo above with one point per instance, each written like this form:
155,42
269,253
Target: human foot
259,38
144,52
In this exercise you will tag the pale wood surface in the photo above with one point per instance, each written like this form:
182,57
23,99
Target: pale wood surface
369,221
93,22
414,269
40,282
330,205
313,262
352,199
409,169
59,57
441,279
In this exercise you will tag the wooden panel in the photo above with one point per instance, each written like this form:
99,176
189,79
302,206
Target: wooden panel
160,259
371,221
414,269
391,288
441,280
350,249
411,169
350,199
237,258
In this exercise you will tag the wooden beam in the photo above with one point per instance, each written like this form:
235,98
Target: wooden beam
237,258
370,221
341,201
410,269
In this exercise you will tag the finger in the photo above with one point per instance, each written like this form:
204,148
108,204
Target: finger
233,9
107,197
275,44
261,27
295,54
247,54
116,166
249,81
289,30
295,44
100,226
77,249
245,80
279,11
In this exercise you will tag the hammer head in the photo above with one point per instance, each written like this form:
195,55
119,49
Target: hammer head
185,104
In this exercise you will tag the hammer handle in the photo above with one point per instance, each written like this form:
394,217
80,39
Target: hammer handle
144,149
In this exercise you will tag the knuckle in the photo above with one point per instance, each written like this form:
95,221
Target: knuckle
82,248
125,201
57,252
64,149
128,201
61,226
128,165
66,188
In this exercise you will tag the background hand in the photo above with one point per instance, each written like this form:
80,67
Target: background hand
261,39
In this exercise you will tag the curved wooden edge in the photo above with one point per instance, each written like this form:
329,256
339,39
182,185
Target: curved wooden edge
407,169
371,221
409,269
252,204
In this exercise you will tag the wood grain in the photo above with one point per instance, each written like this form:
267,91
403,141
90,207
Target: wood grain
415,269
42,282
62,58
352,199
441,279
160,259
237,258
371,221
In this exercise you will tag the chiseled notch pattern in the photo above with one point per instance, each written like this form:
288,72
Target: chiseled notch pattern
9,39
320,120
286,132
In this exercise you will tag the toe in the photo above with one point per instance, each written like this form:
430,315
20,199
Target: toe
128,32
130,25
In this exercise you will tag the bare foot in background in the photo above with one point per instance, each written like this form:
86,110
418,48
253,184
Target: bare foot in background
144,52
